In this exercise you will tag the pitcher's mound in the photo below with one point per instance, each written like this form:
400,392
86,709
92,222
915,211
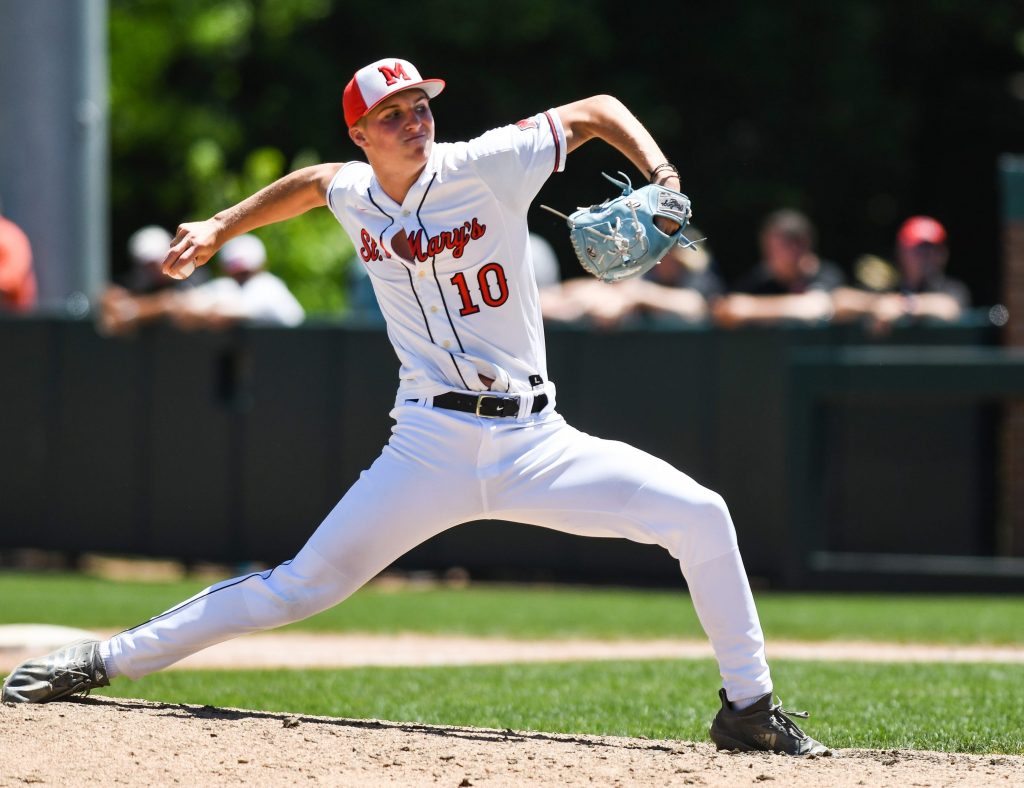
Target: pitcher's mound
100,741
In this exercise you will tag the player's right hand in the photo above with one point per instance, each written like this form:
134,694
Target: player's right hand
193,245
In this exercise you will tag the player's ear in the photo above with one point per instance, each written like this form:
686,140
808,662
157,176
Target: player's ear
357,135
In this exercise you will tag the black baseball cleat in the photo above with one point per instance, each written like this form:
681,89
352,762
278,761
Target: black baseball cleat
764,727
77,667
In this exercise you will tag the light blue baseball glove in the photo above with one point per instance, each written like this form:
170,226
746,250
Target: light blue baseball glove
618,239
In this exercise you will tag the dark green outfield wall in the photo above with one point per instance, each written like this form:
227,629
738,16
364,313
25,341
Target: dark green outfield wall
233,446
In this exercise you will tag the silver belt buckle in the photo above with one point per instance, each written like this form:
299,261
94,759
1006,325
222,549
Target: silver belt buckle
480,400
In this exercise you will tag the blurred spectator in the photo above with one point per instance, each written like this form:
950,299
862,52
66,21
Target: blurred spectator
361,300
583,298
920,287
790,283
17,277
692,267
147,248
923,254
562,301
682,284
678,287
789,263
546,269
144,294
248,293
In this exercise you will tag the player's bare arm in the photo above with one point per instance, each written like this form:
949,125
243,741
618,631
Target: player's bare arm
294,194
607,118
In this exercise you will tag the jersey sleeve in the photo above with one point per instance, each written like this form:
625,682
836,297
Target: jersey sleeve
349,174
516,160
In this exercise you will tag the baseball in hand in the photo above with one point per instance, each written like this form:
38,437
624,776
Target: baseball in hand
186,271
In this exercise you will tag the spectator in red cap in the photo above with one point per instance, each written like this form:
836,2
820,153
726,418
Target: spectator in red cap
17,279
922,253
920,288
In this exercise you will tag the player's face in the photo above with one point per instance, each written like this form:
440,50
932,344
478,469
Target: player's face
400,129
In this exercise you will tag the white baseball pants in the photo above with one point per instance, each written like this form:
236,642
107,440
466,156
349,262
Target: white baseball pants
442,468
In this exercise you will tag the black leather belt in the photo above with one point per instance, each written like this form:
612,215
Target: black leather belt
491,406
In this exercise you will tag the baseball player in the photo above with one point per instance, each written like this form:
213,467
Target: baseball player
441,229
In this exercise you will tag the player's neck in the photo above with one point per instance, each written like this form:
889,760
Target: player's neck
396,181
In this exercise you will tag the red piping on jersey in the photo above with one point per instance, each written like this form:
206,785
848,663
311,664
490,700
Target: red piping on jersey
558,145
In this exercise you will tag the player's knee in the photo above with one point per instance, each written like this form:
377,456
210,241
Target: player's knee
275,607
285,597
698,528
716,519
296,604
715,533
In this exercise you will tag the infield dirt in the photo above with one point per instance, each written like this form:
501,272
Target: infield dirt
94,741
131,742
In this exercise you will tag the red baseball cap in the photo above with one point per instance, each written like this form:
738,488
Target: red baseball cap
921,230
371,84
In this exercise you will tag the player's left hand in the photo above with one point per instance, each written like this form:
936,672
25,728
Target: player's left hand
667,226
193,245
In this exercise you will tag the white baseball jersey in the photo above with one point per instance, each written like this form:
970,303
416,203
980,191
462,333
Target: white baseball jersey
467,304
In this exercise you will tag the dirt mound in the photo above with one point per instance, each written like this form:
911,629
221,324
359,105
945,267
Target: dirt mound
107,740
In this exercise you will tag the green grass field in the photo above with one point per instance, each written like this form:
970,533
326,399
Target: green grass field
961,708
542,612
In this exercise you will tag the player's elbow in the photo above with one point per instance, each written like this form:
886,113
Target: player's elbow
590,117
602,112
605,103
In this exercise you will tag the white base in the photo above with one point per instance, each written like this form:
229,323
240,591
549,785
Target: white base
40,637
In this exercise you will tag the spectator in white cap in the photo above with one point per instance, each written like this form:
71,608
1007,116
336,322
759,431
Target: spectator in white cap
143,295
243,256
147,248
148,244
247,294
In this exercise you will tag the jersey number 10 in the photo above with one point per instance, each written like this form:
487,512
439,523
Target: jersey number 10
493,288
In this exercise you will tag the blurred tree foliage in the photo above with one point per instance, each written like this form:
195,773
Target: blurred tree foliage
190,136
860,112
